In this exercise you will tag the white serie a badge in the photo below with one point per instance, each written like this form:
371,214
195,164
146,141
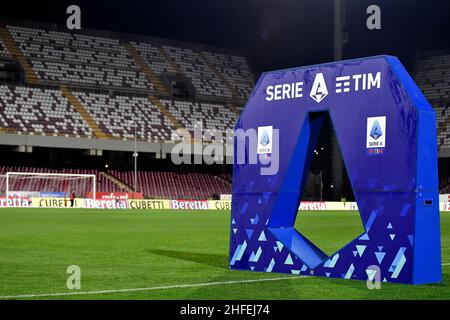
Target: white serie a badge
376,132
264,140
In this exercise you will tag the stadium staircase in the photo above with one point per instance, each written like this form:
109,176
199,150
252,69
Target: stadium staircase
16,53
83,112
222,179
162,108
171,62
234,93
7,130
145,68
234,109
122,185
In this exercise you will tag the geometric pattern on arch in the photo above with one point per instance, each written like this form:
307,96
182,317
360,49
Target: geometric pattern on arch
386,132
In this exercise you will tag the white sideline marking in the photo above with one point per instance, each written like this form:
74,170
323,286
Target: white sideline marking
193,285
177,286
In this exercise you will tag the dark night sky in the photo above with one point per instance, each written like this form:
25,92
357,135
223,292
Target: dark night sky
274,33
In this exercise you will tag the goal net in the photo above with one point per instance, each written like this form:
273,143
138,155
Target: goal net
49,185
2,185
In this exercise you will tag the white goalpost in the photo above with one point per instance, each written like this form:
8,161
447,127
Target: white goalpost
57,184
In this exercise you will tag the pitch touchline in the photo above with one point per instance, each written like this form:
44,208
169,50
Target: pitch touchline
41,295
148,289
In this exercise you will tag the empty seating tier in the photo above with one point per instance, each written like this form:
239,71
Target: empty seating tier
154,58
172,185
235,70
3,50
40,111
79,59
433,77
113,75
116,116
443,120
202,77
211,116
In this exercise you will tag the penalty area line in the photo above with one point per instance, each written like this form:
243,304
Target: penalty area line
177,286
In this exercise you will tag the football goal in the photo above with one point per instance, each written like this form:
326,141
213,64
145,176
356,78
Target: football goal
50,185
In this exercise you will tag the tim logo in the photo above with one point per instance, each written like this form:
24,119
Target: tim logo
264,140
319,88
376,135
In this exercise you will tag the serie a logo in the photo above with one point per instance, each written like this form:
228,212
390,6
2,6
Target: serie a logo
319,89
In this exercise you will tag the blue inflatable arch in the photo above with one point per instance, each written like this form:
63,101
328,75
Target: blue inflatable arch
386,131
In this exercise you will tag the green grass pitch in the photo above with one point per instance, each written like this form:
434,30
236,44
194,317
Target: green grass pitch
162,251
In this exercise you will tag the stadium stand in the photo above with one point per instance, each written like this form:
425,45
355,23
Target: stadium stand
102,75
154,58
79,59
172,185
116,116
139,54
17,54
226,177
443,123
204,80
432,74
94,84
41,111
235,71
444,185
212,116
3,50
167,185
